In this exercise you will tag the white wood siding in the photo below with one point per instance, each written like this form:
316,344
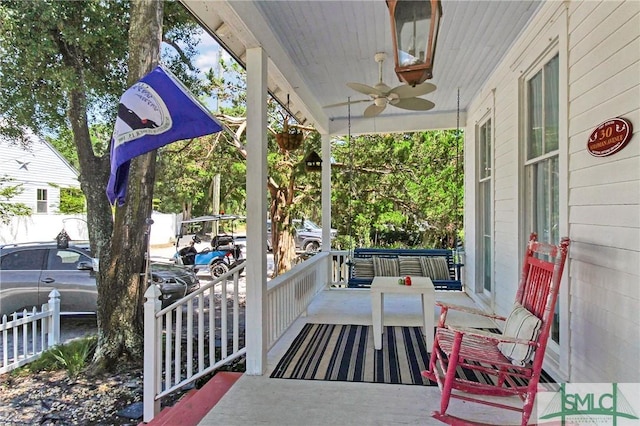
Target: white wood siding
508,237
39,167
599,43
604,82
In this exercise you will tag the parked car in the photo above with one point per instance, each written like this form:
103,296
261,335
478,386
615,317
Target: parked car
307,235
29,271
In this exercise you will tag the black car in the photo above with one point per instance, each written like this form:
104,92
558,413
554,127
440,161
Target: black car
29,271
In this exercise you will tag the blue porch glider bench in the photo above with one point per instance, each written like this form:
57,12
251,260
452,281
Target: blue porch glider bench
438,264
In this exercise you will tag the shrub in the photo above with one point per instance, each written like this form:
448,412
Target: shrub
71,356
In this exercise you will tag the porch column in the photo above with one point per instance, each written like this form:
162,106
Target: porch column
256,306
326,192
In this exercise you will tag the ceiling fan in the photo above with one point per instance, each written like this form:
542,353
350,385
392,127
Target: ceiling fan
403,96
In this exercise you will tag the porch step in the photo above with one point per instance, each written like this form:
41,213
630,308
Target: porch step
196,403
166,412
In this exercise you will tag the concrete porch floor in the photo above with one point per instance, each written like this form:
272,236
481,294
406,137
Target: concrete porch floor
261,400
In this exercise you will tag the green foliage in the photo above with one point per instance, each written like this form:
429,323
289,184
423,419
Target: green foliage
74,355
63,142
399,189
72,201
227,85
288,166
9,209
45,46
71,356
186,171
36,81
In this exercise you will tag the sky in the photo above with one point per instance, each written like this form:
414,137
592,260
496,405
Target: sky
209,54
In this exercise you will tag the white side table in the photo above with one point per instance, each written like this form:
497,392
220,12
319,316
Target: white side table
419,285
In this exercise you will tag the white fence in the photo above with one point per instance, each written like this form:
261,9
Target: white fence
24,229
190,338
24,339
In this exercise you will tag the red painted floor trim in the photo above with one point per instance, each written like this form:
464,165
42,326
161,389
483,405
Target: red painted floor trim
195,405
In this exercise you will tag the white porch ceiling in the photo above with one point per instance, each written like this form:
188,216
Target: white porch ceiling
315,47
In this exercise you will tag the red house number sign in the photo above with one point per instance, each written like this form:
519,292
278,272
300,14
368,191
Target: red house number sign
610,137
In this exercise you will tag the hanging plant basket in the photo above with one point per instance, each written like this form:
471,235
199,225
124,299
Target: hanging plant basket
289,139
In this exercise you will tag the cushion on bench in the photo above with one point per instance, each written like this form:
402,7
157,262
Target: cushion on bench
386,266
410,265
437,264
435,268
363,268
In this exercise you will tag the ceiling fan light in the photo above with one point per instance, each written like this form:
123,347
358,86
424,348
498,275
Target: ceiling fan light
380,102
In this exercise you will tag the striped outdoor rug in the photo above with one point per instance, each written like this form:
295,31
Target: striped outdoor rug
345,353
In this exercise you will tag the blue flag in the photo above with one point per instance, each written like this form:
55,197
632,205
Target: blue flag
154,112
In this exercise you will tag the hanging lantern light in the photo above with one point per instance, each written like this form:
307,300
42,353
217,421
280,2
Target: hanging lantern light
414,28
313,162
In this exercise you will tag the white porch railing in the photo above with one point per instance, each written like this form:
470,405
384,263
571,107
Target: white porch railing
169,362
190,338
25,339
339,268
288,295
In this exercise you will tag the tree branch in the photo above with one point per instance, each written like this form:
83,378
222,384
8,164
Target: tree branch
361,169
183,57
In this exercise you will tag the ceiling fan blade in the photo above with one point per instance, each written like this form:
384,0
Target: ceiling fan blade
415,104
405,91
346,103
363,88
373,110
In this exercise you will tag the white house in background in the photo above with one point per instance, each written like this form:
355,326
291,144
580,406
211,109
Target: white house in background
40,170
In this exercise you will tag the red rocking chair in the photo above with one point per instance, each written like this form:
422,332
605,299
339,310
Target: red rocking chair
512,359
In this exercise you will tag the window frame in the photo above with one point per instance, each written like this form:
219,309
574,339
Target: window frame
533,166
557,363
42,204
484,184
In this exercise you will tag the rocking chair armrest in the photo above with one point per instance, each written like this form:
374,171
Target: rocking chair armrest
469,310
487,335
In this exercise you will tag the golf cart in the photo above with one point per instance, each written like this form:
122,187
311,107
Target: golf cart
210,241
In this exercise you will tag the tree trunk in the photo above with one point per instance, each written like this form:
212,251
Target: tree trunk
284,252
94,170
187,206
94,174
120,295
283,244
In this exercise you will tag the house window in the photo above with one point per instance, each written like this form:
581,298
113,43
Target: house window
542,191
484,191
42,201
